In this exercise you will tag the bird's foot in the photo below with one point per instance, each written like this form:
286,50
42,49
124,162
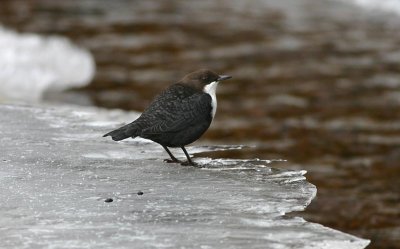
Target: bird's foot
189,163
172,161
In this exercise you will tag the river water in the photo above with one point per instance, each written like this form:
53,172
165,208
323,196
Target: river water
314,82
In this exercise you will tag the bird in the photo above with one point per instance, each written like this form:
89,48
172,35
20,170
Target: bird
179,115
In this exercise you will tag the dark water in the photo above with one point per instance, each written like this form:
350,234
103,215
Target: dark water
315,82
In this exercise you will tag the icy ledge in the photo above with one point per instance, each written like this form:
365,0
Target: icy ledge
56,172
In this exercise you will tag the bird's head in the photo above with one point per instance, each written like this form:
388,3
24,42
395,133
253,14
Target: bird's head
203,79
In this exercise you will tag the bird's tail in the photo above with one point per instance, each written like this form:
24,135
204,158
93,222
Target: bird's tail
129,130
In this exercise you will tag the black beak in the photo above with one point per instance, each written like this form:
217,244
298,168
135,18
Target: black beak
224,77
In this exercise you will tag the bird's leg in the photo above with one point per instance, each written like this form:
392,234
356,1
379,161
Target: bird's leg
189,161
173,159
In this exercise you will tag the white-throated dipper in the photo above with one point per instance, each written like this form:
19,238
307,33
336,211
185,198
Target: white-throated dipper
179,115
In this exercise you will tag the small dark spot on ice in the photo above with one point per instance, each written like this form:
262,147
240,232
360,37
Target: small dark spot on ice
108,200
140,193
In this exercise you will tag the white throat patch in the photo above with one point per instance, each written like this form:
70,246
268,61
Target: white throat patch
211,89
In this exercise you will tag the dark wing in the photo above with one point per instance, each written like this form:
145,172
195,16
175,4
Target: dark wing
180,114
157,110
162,104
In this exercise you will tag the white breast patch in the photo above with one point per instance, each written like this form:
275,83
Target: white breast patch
211,89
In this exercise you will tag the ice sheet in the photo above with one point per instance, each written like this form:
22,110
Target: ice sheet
56,171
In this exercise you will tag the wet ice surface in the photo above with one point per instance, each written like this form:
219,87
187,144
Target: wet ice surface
56,171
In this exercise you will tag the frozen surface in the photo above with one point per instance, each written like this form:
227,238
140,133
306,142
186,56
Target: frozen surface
56,171
32,64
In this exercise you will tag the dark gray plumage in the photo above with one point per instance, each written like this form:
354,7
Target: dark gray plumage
179,115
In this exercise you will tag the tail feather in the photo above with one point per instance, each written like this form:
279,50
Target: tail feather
129,130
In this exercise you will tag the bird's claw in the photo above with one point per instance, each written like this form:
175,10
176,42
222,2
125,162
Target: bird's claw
183,163
172,161
188,163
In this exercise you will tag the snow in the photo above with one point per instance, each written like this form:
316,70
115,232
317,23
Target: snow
31,65
56,170
382,5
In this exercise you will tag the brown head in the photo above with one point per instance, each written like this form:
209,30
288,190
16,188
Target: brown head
201,78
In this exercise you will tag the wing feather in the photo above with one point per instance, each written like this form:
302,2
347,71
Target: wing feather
181,114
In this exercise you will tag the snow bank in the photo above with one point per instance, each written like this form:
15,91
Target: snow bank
31,64
385,5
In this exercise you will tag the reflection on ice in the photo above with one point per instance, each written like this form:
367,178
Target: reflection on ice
57,172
